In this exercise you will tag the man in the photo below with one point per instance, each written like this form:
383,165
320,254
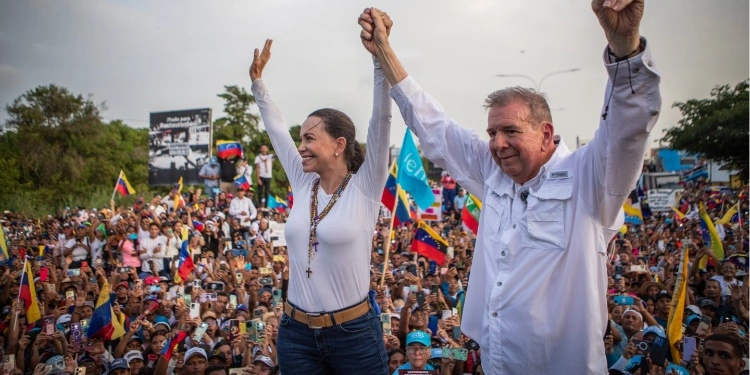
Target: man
195,361
118,366
216,370
210,173
534,189
662,301
654,335
418,347
243,209
228,173
449,191
459,201
135,361
726,279
722,354
264,166
152,250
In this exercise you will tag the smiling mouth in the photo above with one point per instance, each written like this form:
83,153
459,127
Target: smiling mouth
507,157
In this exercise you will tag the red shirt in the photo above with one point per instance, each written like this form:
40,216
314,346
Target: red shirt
448,182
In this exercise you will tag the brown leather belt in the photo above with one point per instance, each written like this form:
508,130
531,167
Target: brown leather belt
329,319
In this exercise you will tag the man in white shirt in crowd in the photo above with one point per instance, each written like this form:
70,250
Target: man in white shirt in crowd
152,250
264,165
210,173
549,210
727,278
173,244
243,208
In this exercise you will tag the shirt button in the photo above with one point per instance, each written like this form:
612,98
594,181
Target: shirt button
499,283
494,314
502,253
514,226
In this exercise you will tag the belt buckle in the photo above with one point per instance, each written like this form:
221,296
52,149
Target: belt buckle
309,315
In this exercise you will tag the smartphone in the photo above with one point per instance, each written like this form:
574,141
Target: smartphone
234,329
238,277
9,362
76,332
659,351
266,271
434,290
688,348
277,296
43,274
704,325
84,325
257,314
243,328
73,272
260,330
638,268
456,333
49,325
80,371
413,288
195,310
618,270
70,295
623,300
265,281
447,314
385,322
188,299
412,269
278,258
421,299
138,284
432,268
199,332
252,330
233,301
154,289
642,347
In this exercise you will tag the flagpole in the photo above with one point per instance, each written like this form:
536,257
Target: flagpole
115,189
387,247
23,272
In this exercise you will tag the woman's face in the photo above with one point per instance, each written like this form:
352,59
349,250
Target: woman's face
157,343
317,147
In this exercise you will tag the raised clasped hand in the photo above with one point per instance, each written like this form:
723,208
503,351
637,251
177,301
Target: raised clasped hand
620,20
376,27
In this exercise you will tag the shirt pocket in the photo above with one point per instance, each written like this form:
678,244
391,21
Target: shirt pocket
495,205
545,217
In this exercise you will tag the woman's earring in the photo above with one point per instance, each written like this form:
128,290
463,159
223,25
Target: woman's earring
336,153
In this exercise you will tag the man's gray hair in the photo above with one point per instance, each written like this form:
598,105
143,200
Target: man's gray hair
536,101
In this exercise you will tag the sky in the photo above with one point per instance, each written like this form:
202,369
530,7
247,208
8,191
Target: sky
151,56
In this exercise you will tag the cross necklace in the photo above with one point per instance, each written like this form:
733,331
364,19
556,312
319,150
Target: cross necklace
315,218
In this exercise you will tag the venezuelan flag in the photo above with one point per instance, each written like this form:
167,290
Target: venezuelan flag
471,212
632,214
171,345
3,245
27,293
123,186
429,244
678,213
276,203
228,149
729,214
185,265
103,322
242,183
391,190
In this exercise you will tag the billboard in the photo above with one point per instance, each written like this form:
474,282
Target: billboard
434,212
179,145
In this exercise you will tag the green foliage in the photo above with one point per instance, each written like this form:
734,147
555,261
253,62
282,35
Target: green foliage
59,152
715,128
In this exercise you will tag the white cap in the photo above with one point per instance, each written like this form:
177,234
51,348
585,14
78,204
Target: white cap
133,354
195,351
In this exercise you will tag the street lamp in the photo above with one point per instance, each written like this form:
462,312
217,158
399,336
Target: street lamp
538,85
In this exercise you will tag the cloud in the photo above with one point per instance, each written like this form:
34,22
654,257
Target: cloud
10,77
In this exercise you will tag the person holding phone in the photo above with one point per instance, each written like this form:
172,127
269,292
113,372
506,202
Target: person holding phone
152,250
337,192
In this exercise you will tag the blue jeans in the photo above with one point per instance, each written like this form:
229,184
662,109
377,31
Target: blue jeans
353,347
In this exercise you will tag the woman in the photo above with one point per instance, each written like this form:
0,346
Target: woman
337,199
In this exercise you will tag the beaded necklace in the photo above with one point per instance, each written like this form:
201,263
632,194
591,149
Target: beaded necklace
312,244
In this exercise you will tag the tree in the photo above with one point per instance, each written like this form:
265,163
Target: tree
715,128
60,152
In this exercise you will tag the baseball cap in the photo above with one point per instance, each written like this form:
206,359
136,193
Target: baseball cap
396,316
195,351
265,360
707,303
85,358
132,355
693,317
418,337
242,307
89,304
214,161
123,284
217,354
657,330
662,294
64,318
162,325
119,363
695,310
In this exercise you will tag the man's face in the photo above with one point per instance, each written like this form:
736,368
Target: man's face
708,311
662,305
134,345
517,147
719,359
713,289
135,366
631,322
397,259
221,304
195,365
395,324
263,149
86,312
729,270
153,231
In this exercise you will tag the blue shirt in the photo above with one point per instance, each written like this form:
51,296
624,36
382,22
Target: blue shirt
407,366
